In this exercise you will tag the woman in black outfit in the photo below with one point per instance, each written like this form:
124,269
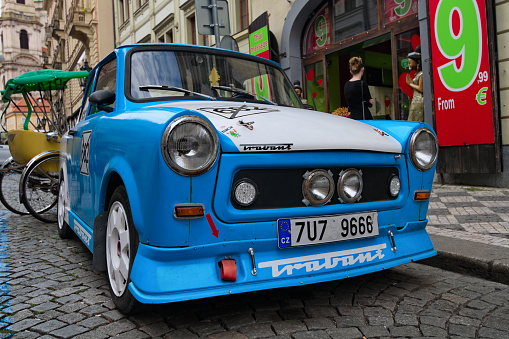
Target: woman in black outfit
357,92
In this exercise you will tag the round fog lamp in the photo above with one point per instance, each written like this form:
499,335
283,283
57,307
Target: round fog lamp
245,192
350,185
394,186
317,187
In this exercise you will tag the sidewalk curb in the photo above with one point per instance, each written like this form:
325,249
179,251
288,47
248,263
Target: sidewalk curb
469,257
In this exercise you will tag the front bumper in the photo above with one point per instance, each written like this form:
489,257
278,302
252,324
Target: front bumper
163,275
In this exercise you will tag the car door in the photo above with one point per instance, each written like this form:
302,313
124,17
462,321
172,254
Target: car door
82,200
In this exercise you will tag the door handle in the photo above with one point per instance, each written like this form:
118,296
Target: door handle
73,132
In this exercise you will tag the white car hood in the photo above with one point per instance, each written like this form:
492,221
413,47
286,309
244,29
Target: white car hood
261,128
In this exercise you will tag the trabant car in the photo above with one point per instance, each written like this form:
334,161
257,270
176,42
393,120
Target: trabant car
197,172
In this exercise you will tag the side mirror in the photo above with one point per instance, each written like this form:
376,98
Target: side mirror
101,99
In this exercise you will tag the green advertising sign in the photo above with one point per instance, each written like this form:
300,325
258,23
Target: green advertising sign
259,43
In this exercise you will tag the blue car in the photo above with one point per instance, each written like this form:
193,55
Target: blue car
197,172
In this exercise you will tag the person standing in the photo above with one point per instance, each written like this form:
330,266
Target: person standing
357,94
416,111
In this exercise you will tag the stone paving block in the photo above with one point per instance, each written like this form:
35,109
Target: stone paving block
45,307
49,326
181,334
71,318
69,331
345,333
433,331
311,335
257,331
319,324
156,329
24,324
288,327
206,328
462,331
48,315
404,331
350,321
113,315
228,335
237,321
92,322
321,311
266,317
72,307
146,318
293,314
374,331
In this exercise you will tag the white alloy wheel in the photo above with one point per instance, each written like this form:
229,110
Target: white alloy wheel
117,249
61,205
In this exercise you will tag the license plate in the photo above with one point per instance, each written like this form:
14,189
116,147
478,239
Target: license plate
320,230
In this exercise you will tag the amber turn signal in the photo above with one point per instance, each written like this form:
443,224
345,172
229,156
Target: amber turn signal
421,195
189,211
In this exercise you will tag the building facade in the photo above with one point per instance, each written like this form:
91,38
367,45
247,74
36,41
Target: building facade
78,33
21,38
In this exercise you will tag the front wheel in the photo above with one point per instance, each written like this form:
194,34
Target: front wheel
121,246
64,231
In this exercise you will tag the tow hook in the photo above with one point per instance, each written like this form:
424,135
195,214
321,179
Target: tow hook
393,242
228,269
251,253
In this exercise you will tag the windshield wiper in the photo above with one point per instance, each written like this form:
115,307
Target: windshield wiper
241,91
176,89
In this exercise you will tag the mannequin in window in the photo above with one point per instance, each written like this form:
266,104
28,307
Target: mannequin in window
416,112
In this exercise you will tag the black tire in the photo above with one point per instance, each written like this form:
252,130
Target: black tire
64,231
120,254
40,188
9,188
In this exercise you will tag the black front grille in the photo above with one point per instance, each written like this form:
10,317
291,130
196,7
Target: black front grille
282,188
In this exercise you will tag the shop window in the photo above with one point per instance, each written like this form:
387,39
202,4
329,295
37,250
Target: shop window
397,9
405,44
314,79
23,39
351,17
318,31
22,2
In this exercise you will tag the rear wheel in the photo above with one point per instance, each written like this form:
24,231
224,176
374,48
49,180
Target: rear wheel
121,246
10,175
40,184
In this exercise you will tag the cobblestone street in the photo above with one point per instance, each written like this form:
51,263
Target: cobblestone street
50,290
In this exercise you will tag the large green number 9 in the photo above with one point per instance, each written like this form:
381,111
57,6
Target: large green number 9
321,30
465,45
402,9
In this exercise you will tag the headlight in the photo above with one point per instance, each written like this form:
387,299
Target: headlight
190,145
245,192
350,185
423,149
394,186
317,187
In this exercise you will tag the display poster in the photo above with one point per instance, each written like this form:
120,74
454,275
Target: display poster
259,43
461,72
319,31
396,9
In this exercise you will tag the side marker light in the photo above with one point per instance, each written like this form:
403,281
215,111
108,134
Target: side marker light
421,195
189,211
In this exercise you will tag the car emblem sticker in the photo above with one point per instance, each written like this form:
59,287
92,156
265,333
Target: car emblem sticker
382,133
232,112
85,152
330,260
248,125
267,147
230,131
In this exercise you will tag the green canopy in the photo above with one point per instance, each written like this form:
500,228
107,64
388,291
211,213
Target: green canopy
42,80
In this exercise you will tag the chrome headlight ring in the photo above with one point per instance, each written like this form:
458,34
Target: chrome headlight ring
423,149
350,185
317,187
190,145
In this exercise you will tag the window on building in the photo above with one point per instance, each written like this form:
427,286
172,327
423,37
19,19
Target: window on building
124,10
169,37
191,31
243,14
23,39
20,2
140,3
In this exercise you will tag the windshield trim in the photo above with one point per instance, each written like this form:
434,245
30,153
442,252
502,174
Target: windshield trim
183,48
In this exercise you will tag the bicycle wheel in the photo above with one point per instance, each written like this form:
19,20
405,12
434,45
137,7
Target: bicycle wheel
10,175
40,186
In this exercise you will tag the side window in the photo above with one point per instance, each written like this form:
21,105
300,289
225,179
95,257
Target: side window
107,80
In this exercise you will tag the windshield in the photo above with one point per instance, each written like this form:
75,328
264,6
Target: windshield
194,75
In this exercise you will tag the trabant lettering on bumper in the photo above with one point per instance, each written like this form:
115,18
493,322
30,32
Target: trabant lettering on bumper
326,261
